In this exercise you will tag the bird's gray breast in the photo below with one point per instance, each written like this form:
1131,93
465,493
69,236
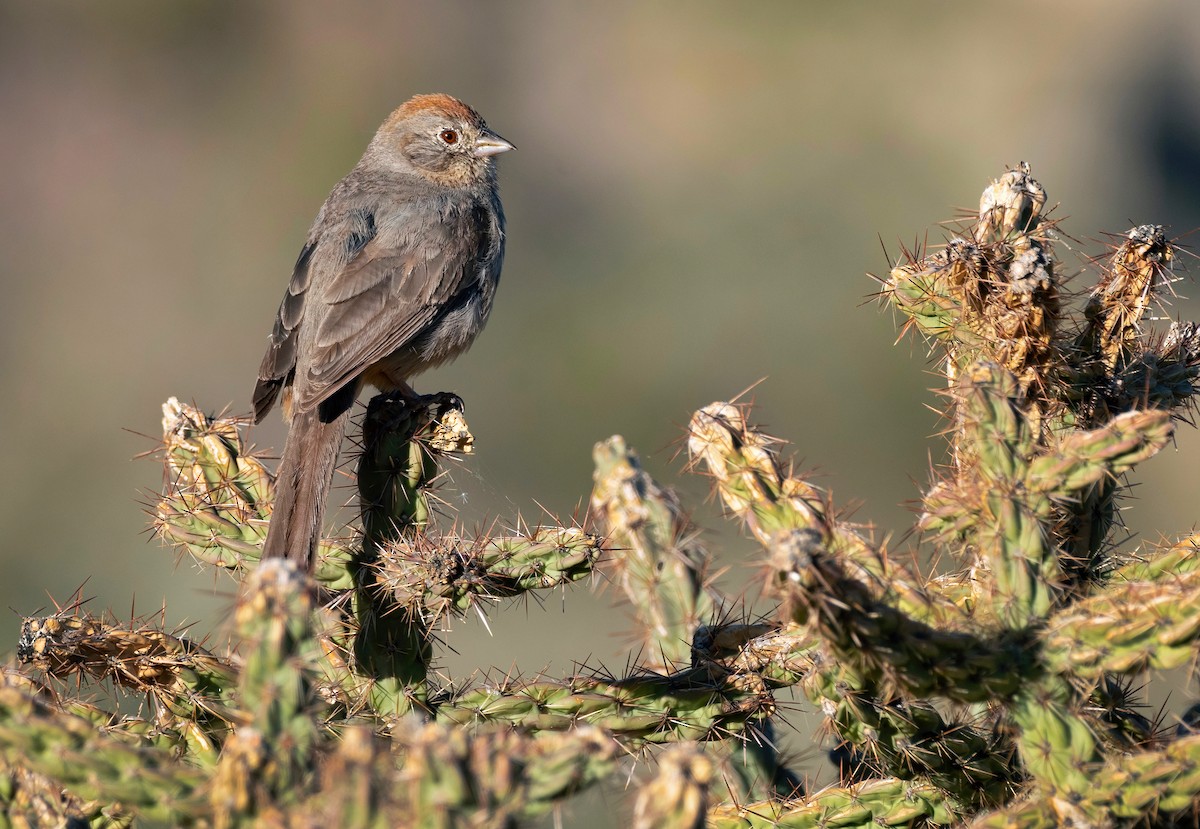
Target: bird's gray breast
461,320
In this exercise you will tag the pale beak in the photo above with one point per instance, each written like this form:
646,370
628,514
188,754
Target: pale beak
491,144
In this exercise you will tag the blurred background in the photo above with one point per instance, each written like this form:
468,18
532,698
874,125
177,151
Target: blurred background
700,190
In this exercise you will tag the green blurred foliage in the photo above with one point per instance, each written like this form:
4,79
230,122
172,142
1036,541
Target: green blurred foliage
699,191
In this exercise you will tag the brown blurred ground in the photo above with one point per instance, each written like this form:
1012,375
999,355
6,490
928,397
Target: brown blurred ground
699,190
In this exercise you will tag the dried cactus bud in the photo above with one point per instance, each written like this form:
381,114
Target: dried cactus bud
1010,206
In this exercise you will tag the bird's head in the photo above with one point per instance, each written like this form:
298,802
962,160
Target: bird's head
440,137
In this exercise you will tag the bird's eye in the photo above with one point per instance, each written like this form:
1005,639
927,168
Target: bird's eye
449,136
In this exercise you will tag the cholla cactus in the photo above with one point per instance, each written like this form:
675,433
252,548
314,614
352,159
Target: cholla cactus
1000,690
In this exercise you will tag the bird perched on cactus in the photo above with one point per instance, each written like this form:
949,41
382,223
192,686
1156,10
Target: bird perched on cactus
397,276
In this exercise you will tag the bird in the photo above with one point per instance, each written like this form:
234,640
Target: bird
397,275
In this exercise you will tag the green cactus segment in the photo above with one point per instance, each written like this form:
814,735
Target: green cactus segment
911,740
449,574
645,708
1150,782
772,501
357,786
993,449
995,438
1057,746
657,561
95,766
1008,492
217,496
925,291
1128,787
269,758
1166,563
1078,477
34,800
393,643
1078,471
402,439
494,777
1128,627
654,555
1082,459
868,805
753,656
677,796
881,644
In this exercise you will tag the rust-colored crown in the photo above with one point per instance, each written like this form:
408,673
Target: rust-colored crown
438,103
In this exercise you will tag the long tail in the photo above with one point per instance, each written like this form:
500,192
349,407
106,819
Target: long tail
302,487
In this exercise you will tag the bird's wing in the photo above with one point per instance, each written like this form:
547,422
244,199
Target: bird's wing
382,299
280,359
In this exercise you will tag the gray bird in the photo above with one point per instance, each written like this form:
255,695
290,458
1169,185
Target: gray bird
397,276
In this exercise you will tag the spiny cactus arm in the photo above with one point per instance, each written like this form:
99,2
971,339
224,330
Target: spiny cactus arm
558,764
869,805
906,739
753,654
403,438
396,467
1139,270
1037,811
1146,786
1157,562
1058,747
269,759
880,643
449,574
993,446
993,294
391,649
177,672
449,777
890,736
1084,458
654,556
95,766
1128,627
357,786
1165,376
780,656
217,496
911,741
34,800
541,559
192,735
210,540
771,501
1012,489
645,708
677,796
928,291
1150,782
208,455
